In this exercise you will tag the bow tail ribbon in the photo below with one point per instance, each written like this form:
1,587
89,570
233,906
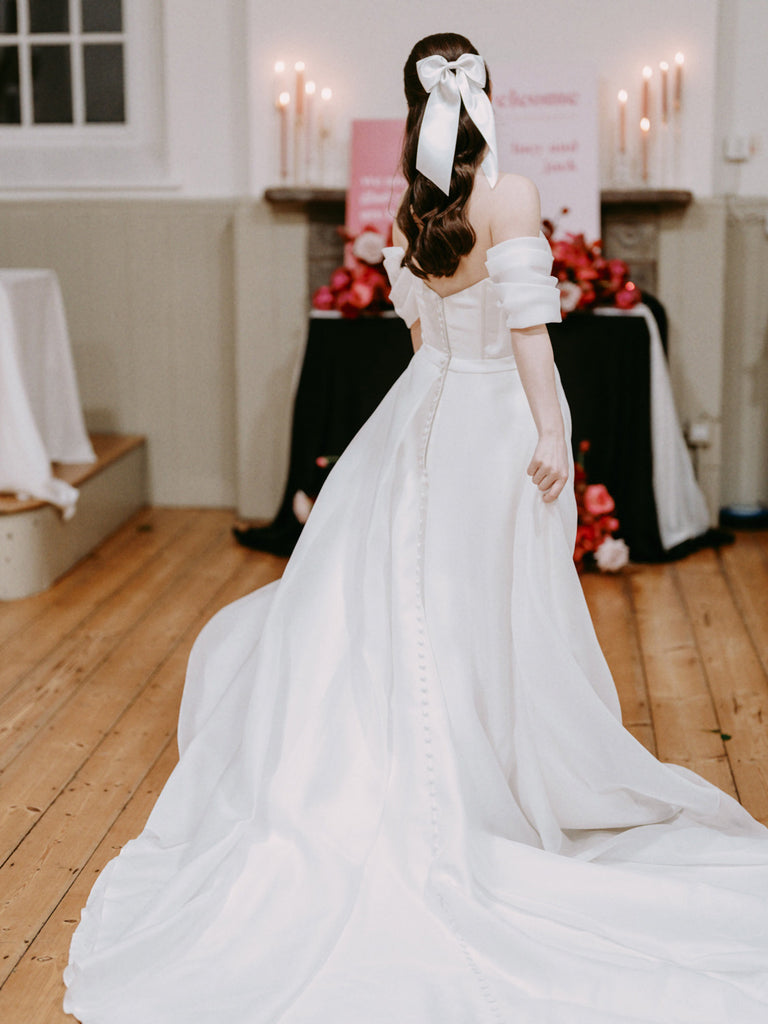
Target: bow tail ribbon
437,139
479,108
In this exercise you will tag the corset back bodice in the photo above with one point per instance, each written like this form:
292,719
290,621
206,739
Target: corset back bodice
474,323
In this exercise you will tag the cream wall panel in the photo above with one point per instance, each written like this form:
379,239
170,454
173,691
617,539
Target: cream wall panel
272,303
148,288
691,285
745,356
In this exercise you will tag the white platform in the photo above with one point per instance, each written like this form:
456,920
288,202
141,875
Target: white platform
37,546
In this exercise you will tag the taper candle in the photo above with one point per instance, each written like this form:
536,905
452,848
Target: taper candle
647,72
664,69
623,97
645,129
678,92
283,102
299,67
309,100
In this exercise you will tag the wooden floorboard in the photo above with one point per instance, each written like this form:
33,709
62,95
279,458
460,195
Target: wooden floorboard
91,674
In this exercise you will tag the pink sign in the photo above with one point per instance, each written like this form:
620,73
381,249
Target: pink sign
375,181
546,126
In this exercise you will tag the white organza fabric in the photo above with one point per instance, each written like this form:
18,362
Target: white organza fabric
405,795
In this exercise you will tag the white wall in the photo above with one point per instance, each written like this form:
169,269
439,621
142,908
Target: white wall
741,110
206,71
215,60
359,50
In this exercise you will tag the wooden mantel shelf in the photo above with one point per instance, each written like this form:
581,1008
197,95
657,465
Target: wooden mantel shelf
646,198
633,198
304,195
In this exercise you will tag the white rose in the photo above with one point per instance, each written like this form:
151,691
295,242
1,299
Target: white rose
368,247
302,506
570,295
612,555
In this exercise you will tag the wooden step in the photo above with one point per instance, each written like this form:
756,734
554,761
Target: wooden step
37,545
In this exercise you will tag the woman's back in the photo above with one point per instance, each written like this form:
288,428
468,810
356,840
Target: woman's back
508,210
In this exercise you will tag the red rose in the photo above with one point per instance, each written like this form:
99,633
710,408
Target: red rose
340,279
361,294
628,296
597,500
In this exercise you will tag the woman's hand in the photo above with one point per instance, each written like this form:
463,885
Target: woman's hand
549,466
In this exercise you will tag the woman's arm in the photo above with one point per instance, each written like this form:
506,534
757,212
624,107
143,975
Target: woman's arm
398,238
516,212
533,354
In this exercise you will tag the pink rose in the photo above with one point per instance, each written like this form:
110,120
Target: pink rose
597,500
368,247
323,298
612,555
361,294
302,506
570,296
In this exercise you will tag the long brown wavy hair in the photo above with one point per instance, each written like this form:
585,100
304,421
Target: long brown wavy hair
436,226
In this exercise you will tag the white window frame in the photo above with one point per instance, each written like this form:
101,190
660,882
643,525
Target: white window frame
84,156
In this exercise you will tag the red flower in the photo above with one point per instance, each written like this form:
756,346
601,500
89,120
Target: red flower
323,298
340,279
628,296
597,500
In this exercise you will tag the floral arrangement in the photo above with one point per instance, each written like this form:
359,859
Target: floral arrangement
595,543
361,284
584,277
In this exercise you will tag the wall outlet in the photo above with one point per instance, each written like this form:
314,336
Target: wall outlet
699,433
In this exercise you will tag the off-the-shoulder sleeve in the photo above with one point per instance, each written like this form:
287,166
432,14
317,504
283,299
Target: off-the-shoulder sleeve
404,285
520,269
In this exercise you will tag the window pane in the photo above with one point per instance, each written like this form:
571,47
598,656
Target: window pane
10,108
49,15
102,15
51,85
104,94
8,21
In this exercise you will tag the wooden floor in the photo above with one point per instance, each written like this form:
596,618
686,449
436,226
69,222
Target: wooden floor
91,674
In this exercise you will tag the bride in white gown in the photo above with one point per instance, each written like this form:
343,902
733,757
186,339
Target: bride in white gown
404,793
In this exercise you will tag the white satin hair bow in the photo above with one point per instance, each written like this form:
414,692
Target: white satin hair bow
448,83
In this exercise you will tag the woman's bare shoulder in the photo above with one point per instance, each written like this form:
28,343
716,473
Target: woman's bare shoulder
398,238
514,208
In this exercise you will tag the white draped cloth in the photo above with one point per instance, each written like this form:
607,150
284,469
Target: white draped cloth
41,420
681,510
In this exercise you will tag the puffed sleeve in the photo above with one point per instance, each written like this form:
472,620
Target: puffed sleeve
403,293
520,269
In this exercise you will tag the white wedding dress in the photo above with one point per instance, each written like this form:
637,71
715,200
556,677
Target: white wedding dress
405,795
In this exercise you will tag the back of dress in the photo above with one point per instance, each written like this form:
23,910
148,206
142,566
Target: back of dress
474,323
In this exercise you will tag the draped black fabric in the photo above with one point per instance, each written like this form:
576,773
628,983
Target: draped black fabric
604,364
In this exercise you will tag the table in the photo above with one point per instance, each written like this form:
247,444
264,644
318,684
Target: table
40,416
614,374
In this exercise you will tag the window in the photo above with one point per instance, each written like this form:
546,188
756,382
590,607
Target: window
62,62
81,96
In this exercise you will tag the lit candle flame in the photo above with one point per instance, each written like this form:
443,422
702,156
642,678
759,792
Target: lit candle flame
679,59
310,88
284,99
279,67
326,93
645,124
647,71
623,95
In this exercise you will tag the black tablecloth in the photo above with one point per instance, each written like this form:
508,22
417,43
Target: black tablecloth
604,364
